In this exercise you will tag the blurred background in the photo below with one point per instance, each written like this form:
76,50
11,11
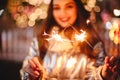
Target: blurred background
20,21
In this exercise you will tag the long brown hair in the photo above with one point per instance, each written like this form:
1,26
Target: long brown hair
80,23
82,16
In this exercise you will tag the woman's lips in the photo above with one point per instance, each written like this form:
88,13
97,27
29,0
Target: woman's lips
64,19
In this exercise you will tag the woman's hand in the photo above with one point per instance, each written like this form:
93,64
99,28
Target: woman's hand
34,68
110,67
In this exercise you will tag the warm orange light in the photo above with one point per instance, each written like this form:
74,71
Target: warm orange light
80,37
114,33
71,62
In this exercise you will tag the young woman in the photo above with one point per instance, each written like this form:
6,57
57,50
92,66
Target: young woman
62,54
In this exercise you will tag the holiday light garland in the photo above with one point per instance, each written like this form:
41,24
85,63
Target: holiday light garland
27,12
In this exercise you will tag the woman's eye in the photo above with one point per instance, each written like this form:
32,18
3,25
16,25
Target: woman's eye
56,8
70,6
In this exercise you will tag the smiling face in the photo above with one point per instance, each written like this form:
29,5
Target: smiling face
64,12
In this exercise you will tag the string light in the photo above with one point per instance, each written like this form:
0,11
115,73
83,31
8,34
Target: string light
27,12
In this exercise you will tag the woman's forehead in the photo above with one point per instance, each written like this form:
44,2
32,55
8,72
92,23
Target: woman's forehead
62,1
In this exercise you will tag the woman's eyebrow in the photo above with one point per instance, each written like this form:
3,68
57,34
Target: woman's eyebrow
65,4
70,3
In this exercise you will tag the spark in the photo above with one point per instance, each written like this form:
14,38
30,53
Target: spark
81,37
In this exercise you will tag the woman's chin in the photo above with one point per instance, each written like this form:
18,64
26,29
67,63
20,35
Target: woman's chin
65,25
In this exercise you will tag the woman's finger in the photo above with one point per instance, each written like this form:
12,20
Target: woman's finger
32,64
37,63
32,71
111,60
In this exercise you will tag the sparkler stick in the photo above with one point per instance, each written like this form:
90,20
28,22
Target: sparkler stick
88,43
72,27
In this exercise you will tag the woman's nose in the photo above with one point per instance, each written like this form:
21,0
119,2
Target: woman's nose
63,12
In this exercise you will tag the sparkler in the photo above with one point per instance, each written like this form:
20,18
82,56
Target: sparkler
55,36
60,62
81,36
78,36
